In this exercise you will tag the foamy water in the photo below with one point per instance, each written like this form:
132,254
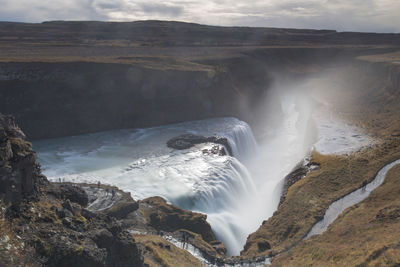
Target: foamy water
138,161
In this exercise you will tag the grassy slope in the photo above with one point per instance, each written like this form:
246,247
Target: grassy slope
308,199
159,252
365,234
359,236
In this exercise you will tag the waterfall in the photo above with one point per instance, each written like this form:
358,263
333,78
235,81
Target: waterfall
242,141
237,193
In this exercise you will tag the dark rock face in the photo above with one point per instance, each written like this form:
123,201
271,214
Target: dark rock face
170,218
215,150
19,173
64,255
66,234
186,141
299,172
51,218
84,97
120,248
71,192
263,246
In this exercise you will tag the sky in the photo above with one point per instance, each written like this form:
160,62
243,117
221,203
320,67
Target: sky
341,15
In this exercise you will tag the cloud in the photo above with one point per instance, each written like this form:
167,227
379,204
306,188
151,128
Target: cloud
343,15
162,9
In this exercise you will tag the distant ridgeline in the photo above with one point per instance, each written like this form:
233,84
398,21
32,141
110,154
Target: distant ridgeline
164,33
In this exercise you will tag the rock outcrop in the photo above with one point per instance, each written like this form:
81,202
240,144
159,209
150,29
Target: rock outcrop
299,172
52,218
64,233
186,141
71,192
19,173
170,218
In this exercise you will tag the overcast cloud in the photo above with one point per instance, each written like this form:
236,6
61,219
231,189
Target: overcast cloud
342,15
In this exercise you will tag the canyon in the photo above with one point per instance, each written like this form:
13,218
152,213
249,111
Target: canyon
90,86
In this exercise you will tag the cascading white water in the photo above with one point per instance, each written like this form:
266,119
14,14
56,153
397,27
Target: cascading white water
237,193
139,161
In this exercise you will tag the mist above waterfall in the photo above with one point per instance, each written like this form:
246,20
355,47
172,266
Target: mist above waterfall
287,136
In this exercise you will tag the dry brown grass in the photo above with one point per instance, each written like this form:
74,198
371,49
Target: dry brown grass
308,199
367,102
365,234
159,252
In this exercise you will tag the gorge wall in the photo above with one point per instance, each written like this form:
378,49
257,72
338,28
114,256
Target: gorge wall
80,77
79,97
74,98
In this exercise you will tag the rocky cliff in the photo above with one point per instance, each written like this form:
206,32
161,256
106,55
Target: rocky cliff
79,97
81,77
19,174
54,224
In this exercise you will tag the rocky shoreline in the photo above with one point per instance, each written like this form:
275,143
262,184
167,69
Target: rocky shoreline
66,224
